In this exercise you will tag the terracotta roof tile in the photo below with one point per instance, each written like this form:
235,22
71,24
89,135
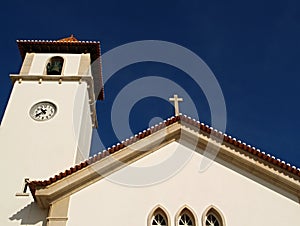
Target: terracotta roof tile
204,128
68,39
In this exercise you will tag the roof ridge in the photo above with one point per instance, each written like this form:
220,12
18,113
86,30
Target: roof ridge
68,39
181,118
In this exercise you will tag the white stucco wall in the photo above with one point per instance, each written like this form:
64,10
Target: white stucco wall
83,126
241,200
40,60
39,150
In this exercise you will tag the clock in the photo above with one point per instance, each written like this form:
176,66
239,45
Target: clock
43,111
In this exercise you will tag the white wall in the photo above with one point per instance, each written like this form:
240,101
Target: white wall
39,150
241,200
83,126
40,60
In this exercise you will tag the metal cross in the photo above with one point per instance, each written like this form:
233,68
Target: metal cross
175,99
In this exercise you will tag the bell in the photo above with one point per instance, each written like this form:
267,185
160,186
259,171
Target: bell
54,67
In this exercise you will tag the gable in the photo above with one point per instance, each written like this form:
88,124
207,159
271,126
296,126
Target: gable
201,139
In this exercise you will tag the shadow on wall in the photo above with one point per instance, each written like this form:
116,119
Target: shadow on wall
30,215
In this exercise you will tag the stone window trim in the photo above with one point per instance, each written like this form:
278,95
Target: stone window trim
215,212
190,212
158,209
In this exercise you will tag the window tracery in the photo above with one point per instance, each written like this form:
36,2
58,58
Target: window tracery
213,217
158,217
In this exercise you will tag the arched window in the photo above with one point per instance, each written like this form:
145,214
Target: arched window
158,217
185,217
55,65
213,217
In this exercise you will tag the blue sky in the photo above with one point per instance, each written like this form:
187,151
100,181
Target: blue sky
252,47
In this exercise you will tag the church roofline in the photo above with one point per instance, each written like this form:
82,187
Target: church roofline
238,146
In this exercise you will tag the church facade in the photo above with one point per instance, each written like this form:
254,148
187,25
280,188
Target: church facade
179,172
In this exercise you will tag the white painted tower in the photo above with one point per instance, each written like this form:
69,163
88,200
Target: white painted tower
47,125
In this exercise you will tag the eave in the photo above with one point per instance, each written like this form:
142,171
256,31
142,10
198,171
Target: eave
275,174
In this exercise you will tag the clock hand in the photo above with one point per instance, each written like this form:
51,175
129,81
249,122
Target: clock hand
38,114
44,111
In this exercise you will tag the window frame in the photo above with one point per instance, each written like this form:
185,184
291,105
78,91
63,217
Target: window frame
188,211
213,210
158,210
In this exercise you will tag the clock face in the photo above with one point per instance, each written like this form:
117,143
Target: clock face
42,111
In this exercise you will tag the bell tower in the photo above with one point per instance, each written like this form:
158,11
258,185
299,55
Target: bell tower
48,122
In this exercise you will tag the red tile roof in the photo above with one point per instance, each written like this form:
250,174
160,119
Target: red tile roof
227,140
68,39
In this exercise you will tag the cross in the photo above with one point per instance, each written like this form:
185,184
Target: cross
176,105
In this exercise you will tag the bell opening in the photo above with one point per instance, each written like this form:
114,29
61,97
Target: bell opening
54,66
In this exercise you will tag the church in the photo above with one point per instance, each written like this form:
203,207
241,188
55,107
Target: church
178,172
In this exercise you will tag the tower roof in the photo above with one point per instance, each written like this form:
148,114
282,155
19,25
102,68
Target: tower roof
67,45
69,39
